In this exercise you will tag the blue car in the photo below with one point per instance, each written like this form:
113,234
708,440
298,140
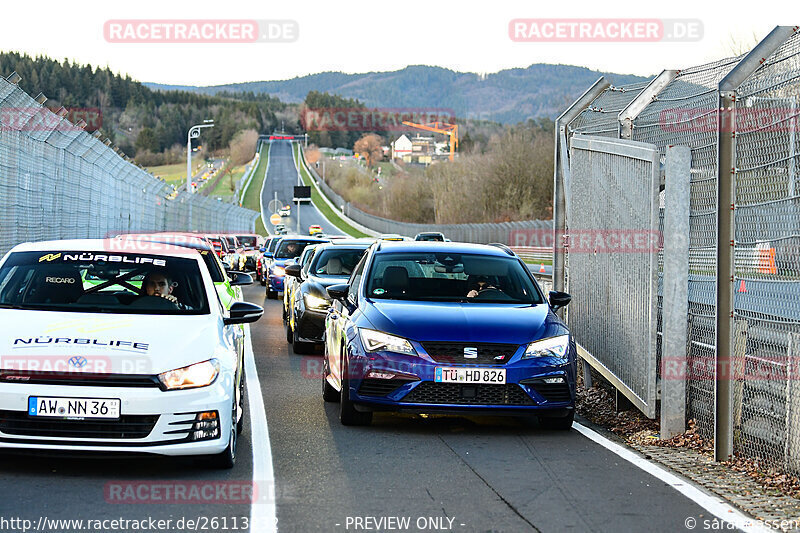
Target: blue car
432,327
287,250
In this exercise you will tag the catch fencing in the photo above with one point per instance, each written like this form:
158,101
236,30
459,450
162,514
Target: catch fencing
58,181
727,314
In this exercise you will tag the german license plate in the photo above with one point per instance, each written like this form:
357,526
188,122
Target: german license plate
55,407
470,375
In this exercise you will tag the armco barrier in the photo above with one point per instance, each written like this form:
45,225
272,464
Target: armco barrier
59,182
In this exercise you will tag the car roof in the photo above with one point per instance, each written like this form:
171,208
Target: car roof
96,245
444,247
355,245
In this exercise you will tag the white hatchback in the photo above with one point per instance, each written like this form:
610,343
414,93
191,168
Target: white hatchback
110,349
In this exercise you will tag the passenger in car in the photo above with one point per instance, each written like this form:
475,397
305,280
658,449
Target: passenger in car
160,283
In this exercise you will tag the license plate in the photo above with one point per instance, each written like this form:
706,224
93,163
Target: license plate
73,407
470,375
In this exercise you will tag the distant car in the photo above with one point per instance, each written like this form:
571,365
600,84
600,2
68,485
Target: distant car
280,229
289,248
249,244
265,256
454,328
430,236
285,211
290,283
392,237
314,228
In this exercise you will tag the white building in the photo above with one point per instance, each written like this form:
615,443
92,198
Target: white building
401,147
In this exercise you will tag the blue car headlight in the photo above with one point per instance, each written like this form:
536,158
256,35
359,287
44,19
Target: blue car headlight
552,347
378,341
278,271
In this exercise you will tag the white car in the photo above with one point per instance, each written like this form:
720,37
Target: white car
285,211
112,347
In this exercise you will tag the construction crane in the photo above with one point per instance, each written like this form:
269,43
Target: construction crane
451,130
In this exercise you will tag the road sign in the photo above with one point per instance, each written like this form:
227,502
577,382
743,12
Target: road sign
275,219
302,193
273,205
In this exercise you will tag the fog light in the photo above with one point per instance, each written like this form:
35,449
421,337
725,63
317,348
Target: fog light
205,427
380,375
558,379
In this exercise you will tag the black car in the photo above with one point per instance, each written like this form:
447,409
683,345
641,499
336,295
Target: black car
331,264
430,236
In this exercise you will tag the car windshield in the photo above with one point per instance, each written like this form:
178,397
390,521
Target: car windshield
450,277
272,245
336,261
430,237
248,242
232,243
99,282
291,249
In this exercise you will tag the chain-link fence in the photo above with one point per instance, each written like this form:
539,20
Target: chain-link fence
683,108
59,182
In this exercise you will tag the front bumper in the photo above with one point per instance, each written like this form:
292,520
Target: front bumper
275,283
415,390
169,412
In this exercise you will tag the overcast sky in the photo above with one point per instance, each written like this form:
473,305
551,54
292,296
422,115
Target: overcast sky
372,36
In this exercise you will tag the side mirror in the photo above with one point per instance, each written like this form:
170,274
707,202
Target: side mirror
338,292
243,312
559,299
293,270
262,249
269,255
240,278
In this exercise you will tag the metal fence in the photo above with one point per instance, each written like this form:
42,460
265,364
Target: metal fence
511,233
740,283
59,182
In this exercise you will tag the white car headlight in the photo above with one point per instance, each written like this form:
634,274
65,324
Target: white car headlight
192,376
378,341
552,347
278,271
315,302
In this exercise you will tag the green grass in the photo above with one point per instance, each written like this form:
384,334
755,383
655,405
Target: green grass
319,203
223,188
174,174
252,199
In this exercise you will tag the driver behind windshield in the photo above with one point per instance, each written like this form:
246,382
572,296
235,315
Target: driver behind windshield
160,284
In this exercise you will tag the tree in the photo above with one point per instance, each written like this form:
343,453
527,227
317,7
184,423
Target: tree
243,146
371,146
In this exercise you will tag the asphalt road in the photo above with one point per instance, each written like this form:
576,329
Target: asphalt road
455,473
281,179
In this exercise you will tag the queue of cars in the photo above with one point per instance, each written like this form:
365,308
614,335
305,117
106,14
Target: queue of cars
136,343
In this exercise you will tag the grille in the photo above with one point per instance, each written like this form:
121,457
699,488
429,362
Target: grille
453,352
552,392
311,329
381,387
78,378
456,393
127,427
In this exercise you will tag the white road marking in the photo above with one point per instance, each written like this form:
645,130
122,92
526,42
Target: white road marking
263,516
711,503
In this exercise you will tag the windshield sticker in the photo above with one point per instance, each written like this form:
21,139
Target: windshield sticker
50,257
114,259
38,342
378,291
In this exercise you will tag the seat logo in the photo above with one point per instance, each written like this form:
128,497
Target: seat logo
50,257
470,353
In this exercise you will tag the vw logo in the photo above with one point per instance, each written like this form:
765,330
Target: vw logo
77,361
470,353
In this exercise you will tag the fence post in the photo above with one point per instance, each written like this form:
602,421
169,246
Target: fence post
561,176
642,100
726,224
676,291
